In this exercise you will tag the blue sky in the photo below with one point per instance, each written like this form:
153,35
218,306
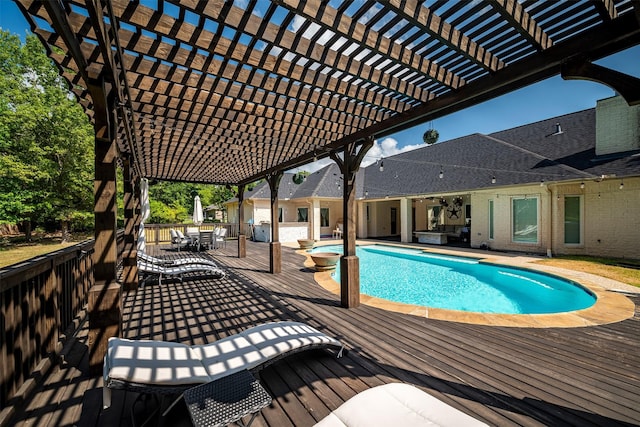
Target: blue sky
548,98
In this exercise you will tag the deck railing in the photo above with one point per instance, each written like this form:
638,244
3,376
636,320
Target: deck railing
158,234
39,298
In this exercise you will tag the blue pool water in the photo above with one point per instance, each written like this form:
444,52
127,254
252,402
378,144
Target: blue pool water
457,283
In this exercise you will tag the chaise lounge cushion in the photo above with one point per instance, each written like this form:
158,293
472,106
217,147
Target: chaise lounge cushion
142,365
396,405
258,345
153,362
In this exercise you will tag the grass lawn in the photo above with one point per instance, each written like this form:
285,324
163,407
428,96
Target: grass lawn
622,270
15,249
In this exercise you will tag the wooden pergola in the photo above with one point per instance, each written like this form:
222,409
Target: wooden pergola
230,92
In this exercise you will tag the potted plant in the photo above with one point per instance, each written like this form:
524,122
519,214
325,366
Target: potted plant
430,136
306,243
325,260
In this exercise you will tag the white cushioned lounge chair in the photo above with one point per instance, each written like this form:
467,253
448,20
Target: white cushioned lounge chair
397,404
169,368
178,270
177,261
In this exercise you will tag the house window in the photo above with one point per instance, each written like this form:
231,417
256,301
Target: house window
303,214
324,217
491,229
572,220
525,220
279,214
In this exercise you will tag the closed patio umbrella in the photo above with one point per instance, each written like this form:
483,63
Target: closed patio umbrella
198,216
145,212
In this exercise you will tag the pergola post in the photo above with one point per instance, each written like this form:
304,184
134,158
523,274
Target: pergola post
104,304
349,263
242,238
275,249
131,223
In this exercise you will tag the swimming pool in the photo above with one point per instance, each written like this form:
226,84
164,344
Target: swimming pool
412,276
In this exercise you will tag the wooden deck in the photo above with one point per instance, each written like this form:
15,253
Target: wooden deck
503,376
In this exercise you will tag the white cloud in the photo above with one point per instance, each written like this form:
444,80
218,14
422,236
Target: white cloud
386,148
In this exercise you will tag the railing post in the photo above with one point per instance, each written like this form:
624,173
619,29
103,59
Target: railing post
51,310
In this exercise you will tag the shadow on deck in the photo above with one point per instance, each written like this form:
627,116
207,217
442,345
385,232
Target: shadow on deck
503,376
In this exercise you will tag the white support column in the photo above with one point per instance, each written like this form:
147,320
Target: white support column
405,220
315,219
362,221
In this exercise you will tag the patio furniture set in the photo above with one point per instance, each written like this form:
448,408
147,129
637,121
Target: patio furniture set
197,239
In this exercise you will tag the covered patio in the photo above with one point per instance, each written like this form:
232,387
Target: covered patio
229,93
501,375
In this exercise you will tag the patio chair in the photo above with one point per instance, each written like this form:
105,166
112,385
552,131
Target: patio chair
178,239
177,270
337,233
397,404
220,237
170,368
207,239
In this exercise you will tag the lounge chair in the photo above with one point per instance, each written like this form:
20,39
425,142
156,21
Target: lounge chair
178,270
169,368
397,404
177,261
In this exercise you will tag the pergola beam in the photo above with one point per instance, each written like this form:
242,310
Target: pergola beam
581,69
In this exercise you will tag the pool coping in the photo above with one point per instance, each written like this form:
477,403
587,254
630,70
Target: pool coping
610,306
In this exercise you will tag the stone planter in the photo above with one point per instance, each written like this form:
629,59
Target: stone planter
306,243
325,260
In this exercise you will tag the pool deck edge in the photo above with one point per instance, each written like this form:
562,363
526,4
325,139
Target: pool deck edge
610,306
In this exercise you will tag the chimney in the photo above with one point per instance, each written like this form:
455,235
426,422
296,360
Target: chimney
617,126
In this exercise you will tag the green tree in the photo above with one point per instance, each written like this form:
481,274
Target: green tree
172,202
46,141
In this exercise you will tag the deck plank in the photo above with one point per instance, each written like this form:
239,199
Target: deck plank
501,375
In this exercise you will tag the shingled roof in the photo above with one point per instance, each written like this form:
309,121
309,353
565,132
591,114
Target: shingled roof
522,155
323,183
228,92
